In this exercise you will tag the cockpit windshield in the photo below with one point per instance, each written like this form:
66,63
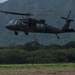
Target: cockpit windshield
15,22
12,22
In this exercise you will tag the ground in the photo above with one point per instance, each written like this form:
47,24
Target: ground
35,72
47,69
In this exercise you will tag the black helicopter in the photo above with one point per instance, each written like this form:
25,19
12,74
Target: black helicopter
36,26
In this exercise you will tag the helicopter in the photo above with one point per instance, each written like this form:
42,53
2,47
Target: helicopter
28,24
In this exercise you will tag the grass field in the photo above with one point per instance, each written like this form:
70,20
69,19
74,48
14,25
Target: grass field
38,69
70,66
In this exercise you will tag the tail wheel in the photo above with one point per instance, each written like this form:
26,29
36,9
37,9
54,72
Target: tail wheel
16,33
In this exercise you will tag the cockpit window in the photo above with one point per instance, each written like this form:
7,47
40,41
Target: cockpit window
15,22
11,22
18,22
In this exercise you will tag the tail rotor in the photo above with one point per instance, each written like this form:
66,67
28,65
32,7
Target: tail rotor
67,19
69,14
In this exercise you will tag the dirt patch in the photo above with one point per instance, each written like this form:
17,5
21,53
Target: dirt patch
35,72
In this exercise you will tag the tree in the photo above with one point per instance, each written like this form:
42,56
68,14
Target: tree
70,44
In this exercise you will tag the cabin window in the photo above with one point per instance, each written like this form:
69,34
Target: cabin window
19,22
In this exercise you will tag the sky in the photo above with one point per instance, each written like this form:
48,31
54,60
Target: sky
1,1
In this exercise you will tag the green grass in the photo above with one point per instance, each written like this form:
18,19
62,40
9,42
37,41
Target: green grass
70,66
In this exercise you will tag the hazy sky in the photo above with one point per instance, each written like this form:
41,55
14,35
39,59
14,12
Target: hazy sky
1,1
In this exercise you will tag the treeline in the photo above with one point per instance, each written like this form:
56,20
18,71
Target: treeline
37,53
38,57
30,46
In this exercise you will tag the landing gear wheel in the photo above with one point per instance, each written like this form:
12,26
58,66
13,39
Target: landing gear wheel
26,33
16,33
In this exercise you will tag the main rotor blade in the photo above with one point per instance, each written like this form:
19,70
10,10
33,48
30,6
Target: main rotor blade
27,14
15,13
47,11
69,14
43,13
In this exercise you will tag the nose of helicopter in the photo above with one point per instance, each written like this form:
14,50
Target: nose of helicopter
7,26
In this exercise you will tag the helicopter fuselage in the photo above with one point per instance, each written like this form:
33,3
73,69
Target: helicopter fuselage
37,26
31,26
